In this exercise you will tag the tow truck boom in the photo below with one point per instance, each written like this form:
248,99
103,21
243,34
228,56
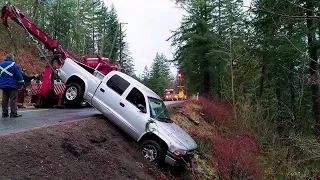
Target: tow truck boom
9,11
47,85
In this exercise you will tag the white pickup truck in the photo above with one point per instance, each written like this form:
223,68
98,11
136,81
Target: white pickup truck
134,108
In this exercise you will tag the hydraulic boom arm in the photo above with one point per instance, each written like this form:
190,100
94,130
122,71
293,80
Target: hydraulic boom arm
98,63
9,11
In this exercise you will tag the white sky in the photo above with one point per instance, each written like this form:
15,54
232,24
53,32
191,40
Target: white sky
149,25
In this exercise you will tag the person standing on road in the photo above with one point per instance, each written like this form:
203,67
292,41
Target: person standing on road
11,80
22,92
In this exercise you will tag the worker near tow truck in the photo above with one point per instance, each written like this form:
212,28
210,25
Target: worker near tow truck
11,80
22,92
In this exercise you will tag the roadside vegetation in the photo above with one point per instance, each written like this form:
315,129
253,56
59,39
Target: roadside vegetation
245,146
262,61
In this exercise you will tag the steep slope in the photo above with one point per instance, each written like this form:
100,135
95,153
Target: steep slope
86,149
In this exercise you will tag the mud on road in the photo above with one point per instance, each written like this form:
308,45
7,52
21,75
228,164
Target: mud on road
86,149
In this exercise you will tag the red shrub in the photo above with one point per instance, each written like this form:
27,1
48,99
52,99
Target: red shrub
237,157
217,113
30,62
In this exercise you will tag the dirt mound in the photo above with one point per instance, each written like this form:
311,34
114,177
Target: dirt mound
27,59
86,149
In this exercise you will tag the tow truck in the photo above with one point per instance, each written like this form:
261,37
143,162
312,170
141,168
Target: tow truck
50,90
181,94
170,95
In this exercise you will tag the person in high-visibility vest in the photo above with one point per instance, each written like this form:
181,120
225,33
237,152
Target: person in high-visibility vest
11,80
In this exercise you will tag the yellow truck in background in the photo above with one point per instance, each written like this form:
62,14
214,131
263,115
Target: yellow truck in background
181,95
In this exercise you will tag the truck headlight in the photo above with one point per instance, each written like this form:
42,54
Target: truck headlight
180,153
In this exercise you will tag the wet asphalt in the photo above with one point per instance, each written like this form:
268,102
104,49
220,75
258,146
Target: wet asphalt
37,117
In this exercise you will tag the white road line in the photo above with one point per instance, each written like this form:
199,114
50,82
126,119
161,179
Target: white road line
33,110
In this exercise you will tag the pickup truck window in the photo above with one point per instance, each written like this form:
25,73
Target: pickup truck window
158,110
118,84
136,97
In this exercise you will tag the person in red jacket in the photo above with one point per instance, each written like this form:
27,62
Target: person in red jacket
11,80
22,92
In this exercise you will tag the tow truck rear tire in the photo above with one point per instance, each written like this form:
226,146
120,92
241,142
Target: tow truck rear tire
73,94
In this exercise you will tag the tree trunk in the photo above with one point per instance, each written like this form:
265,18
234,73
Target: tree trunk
206,78
292,82
262,81
206,68
280,114
231,57
56,20
93,39
219,64
312,50
35,9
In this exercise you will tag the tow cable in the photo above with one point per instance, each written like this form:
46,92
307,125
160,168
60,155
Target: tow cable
189,164
30,36
12,41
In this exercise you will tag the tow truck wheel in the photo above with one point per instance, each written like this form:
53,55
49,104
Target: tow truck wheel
152,151
73,94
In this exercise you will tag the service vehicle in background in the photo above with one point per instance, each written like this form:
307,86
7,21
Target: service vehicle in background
170,95
181,95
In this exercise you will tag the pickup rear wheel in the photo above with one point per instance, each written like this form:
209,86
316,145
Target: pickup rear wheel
73,94
152,151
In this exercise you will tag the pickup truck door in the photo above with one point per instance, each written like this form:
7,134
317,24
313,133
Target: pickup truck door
107,98
136,118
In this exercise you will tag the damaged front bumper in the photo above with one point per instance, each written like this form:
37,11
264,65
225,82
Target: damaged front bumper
174,160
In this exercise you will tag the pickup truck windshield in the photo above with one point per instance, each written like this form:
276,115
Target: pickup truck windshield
158,110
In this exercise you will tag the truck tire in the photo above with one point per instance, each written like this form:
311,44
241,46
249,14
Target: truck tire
73,94
152,151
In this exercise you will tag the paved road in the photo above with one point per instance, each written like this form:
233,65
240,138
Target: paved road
171,102
35,118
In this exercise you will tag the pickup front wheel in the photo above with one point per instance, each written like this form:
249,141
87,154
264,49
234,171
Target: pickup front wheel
152,151
73,94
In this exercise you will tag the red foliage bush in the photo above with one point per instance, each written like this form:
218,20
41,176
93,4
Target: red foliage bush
237,157
217,113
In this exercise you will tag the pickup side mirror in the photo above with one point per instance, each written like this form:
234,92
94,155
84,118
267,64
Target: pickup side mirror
142,108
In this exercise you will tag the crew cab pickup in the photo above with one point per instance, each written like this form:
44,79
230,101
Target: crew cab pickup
134,108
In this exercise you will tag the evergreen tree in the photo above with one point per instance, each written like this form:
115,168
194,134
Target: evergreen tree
159,74
145,76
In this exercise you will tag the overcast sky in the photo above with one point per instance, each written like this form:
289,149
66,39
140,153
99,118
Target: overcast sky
149,25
